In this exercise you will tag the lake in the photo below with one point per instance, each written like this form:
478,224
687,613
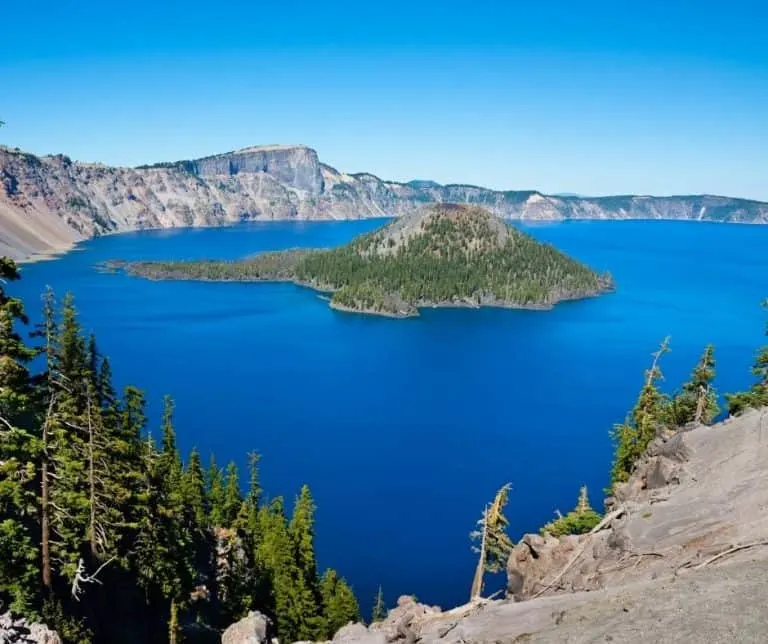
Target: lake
404,429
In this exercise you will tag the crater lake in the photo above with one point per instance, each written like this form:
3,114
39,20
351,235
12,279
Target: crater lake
404,429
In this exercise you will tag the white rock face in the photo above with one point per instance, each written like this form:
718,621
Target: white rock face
49,203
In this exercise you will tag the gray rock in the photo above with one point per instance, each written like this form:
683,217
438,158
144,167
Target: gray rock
18,630
49,203
253,629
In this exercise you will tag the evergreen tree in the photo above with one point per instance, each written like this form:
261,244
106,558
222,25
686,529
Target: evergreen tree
19,457
193,492
339,604
697,403
293,603
232,499
633,435
379,612
757,395
579,521
216,494
494,543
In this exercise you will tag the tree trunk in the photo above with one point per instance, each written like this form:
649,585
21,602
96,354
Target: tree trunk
91,483
700,404
45,506
173,624
477,582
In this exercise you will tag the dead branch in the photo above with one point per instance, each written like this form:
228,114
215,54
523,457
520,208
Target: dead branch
605,522
82,578
730,551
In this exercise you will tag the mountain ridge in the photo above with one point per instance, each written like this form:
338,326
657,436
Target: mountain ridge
49,203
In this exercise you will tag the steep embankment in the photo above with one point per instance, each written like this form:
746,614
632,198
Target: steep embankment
48,203
684,559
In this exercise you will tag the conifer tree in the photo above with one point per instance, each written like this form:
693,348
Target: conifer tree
494,543
294,606
633,435
194,493
379,612
757,395
215,484
697,403
579,521
233,498
19,457
339,605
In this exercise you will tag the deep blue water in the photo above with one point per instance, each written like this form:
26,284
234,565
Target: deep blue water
405,428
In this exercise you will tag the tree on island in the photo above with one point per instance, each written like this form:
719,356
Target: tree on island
494,543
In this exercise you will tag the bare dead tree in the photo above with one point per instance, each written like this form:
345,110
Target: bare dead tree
82,578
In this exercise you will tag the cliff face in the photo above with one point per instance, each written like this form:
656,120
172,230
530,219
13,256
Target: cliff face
49,203
682,557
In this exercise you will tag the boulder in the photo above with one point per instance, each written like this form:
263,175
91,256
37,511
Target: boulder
253,629
19,630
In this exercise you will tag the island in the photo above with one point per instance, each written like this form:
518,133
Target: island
441,255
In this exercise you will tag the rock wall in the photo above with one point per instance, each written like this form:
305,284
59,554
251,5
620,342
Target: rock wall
49,203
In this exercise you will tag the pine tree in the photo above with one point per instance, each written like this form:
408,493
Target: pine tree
20,452
697,403
579,521
193,492
757,395
650,411
68,446
495,545
339,605
302,529
293,604
232,499
215,482
379,612
302,533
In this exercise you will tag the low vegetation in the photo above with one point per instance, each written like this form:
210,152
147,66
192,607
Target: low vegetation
580,520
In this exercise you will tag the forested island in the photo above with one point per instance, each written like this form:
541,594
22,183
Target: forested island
443,255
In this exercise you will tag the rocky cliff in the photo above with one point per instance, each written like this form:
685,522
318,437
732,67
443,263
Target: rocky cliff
49,203
682,557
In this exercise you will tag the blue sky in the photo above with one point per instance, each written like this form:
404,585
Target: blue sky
591,97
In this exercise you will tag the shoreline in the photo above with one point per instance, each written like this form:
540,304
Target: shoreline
326,293
55,252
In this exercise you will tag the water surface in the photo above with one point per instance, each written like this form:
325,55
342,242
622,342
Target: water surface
405,428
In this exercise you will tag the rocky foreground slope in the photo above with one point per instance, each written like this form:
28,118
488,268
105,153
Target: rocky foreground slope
683,558
48,203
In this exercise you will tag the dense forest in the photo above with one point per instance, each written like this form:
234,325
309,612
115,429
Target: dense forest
442,255
108,535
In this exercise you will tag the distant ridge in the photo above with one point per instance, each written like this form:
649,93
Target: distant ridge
49,203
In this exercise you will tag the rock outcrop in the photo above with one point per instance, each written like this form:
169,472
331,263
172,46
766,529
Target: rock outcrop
683,557
19,630
49,203
253,629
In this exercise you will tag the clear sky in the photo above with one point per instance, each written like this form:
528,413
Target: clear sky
592,97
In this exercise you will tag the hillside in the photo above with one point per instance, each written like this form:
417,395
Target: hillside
49,203
440,255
